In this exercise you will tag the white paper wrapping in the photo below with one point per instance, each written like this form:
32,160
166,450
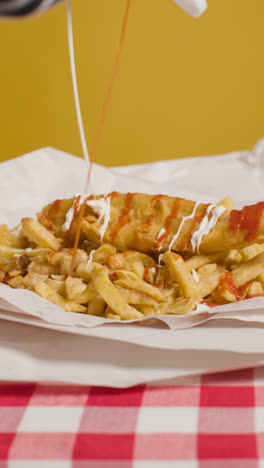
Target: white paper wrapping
33,180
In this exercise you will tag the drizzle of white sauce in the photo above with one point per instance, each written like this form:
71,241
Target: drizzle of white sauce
68,220
195,275
182,223
206,225
102,208
201,307
90,258
160,258
71,212
75,85
28,250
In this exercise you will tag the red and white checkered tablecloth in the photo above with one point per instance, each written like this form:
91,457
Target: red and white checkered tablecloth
211,421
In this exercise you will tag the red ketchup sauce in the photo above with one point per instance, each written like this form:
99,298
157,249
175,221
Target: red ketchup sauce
154,205
209,304
226,283
45,216
76,208
124,218
248,219
168,221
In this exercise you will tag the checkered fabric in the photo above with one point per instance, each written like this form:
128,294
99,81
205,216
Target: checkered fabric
212,421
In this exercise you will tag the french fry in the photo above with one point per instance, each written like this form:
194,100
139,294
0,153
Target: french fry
233,258
16,282
111,295
209,283
43,290
180,307
129,280
57,285
84,271
31,278
137,261
248,271
39,234
117,262
251,251
255,289
135,297
148,310
180,273
96,306
88,294
197,261
103,253
65,264
2,276
260,278
43,268
109,313
74,288
206,270
8,254
137,268
10,240
226,295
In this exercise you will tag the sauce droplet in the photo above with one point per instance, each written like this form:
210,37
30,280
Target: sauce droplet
248,219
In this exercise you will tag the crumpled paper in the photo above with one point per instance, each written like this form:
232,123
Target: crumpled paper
33,180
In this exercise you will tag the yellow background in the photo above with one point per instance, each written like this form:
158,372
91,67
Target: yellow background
185,86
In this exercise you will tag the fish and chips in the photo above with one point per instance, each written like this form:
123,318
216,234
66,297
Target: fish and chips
138,255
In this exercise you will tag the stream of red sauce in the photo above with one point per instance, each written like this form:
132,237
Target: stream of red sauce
247,219
100,127
76,208
168,221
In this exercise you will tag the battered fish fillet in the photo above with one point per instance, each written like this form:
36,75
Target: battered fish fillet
156,223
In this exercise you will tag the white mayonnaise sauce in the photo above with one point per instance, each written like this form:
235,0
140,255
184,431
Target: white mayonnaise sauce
201,307
68,220
160,258
195,275
152,269
206,225
91,257
70,214
102,208
181,225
